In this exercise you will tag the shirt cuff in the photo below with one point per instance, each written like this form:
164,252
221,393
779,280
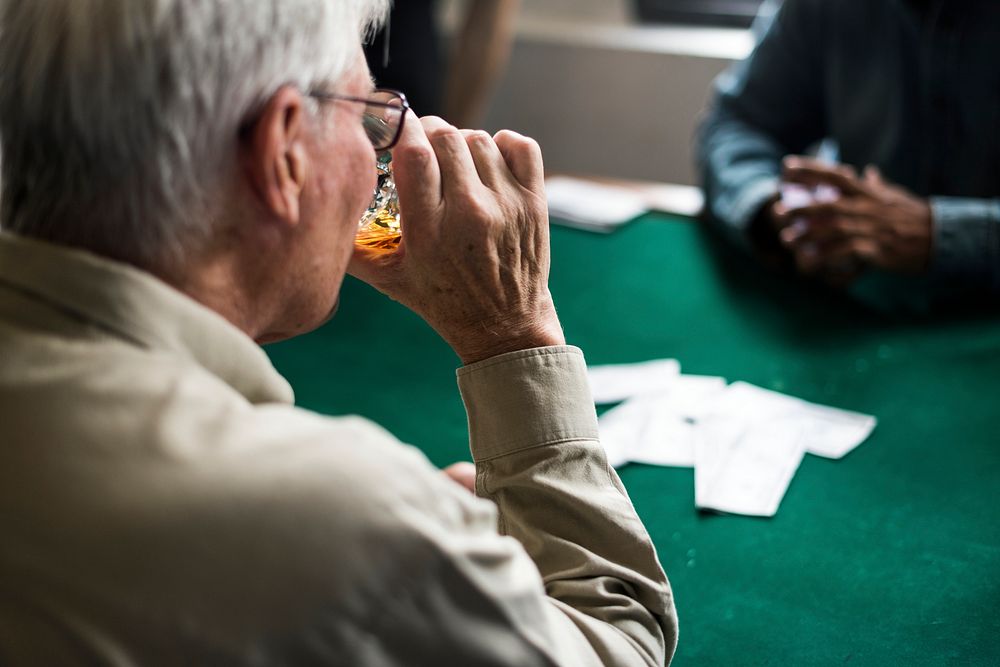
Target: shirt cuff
526,399
966,242
738,209
751,198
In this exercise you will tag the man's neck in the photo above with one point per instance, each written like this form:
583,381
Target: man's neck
214,285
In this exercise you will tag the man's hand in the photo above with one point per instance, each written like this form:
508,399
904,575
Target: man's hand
871,223
462,473
474,257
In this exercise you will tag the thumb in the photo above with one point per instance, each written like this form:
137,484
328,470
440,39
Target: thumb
378,268
463,473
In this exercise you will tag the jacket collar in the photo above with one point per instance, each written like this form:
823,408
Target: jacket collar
140,309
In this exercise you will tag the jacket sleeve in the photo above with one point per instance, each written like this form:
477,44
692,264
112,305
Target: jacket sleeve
966,242
763,108
571,573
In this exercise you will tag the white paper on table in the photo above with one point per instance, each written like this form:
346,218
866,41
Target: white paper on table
616,459
687,200
826,431
660,429
619,428
641,430
745,469
694,396
673,421
611,383
592,205
667,440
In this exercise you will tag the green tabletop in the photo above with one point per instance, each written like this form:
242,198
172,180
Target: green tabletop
889,556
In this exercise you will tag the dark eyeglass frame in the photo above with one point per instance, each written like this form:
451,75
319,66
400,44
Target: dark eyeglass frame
402,107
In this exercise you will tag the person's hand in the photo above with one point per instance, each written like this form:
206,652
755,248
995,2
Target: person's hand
872,223
462,473
474,257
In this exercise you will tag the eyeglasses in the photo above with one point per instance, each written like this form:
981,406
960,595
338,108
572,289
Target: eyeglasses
383,117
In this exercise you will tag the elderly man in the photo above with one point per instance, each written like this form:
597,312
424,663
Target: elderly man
184,179
909,91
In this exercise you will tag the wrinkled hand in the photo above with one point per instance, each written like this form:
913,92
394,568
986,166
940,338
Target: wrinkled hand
474,257
871,224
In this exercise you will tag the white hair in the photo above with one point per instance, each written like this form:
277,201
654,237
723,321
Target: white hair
118,117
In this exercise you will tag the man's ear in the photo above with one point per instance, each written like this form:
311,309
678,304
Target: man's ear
273,154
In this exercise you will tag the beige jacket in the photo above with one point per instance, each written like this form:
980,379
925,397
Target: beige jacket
163,503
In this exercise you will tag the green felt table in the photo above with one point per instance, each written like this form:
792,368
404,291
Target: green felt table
888,556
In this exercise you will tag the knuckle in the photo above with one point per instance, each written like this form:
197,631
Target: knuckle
479,209
480,137
444,135
415,154
532,144
431,122
515,140
471,205
528,145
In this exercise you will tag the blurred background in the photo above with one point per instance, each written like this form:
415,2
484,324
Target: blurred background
611,87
